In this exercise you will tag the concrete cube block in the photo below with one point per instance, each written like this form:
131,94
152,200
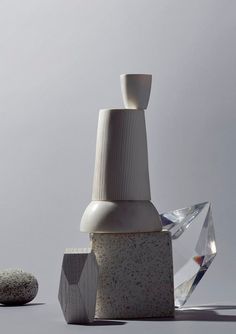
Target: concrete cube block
135,275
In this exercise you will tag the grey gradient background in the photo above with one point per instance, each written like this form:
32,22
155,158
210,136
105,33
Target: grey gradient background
60,63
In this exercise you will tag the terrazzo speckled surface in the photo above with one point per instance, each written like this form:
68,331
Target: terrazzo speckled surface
135,275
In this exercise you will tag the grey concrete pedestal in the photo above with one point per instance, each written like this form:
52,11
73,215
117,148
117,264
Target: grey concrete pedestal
135,275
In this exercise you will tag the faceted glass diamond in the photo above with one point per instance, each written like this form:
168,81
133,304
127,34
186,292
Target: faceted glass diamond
194,246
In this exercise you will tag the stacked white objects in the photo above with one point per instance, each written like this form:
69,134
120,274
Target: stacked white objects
134,255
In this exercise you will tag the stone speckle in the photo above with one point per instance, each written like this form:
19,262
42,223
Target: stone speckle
135,275
17,287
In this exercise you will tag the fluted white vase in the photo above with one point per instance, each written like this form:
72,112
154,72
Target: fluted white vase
121,188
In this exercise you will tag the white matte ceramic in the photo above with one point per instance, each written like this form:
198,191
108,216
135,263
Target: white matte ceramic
121,163
136,90
121,188
120,217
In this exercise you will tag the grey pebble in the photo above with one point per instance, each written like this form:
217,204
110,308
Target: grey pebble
17,287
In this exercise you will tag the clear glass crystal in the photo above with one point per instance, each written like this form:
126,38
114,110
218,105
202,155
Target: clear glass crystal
194,246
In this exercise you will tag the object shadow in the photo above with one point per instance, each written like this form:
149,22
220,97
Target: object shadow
24,305
205,313
104,322
200,313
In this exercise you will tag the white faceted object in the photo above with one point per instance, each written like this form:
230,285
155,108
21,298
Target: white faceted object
136,90
78,286
194,246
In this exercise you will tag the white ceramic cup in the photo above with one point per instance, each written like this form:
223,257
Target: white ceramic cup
136,90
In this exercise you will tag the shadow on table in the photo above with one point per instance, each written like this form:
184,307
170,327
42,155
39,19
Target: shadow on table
200,313
192,313
24,305
205,313
107,323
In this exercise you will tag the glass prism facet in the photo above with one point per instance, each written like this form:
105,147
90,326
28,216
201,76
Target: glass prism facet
194,246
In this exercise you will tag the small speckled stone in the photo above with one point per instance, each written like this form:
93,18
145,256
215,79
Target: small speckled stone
17,287
135,275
